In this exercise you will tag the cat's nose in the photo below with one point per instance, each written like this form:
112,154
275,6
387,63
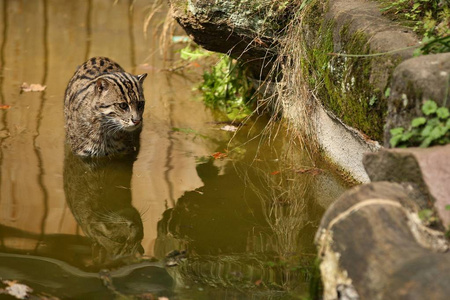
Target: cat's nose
136,122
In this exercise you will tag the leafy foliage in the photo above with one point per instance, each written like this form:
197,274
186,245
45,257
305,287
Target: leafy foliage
432,129
227,88
225,85
429,18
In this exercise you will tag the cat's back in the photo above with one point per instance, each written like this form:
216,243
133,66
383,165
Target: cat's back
88,71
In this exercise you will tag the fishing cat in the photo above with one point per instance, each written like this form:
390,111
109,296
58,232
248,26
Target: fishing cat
103,107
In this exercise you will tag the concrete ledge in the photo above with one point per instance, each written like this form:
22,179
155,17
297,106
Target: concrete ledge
345,145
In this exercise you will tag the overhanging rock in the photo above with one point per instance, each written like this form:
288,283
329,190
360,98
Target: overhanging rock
228,27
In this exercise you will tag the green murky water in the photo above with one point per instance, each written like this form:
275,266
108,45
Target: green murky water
177,221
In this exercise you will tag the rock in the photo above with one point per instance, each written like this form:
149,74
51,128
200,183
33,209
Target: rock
373,246
237,28
383,36
413,82
353,87
428,169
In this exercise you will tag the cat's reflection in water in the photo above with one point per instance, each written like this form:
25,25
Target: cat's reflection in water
98,193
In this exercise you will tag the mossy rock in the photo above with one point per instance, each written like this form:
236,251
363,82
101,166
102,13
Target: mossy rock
243,29
349,76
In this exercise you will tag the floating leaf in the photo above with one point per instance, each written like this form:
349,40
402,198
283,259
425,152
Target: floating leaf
219,155
230,128
5,106
258,282
34,87
17,290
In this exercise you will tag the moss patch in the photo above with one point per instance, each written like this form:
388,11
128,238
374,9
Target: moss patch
346,85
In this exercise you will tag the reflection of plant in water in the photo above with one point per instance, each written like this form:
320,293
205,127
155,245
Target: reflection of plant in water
242,271
283,197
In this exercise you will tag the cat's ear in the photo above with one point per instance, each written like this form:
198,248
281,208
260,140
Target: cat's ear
101,85
142,77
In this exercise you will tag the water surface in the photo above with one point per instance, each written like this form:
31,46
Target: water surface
236,227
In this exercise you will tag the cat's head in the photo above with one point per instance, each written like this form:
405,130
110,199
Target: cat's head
120,100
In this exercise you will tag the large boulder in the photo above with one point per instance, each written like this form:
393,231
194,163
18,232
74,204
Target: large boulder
413,82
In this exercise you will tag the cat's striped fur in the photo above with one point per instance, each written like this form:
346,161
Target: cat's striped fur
103,108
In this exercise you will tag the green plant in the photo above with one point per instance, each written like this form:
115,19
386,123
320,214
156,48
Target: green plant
432,129
225,86
429,18
434,45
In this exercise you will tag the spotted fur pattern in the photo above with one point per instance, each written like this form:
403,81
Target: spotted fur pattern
103,107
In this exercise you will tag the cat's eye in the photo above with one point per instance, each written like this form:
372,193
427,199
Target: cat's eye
123,105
